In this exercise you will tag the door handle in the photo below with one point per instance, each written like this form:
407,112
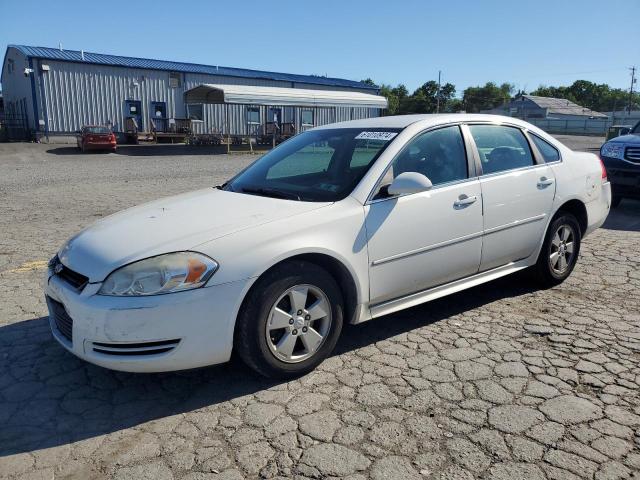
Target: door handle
545,182
464,201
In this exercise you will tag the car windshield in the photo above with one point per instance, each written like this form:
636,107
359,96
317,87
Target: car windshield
97,130
317,166
636,129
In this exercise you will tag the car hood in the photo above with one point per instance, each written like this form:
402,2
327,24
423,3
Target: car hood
168,225
632,139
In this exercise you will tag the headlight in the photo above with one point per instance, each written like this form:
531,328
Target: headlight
612,150
173,272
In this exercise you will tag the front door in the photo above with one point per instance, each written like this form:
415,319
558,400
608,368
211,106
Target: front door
517,194
159,116
430,238
133,109
275,116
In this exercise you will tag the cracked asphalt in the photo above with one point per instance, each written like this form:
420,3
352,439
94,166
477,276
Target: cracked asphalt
503,381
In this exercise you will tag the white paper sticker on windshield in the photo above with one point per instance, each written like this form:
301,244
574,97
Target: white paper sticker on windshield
376,136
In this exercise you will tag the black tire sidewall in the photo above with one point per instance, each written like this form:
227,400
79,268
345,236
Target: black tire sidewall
251,340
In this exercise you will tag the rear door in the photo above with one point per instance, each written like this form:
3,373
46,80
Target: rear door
517,193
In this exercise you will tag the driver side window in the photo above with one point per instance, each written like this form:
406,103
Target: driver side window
439,155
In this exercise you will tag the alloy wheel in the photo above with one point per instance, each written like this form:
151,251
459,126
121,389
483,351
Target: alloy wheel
298,323
562,249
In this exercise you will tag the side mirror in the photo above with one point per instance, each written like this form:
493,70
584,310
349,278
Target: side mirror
409,182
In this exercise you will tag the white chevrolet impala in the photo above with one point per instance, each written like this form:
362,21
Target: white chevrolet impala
343,223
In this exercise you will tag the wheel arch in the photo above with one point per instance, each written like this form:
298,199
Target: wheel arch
578,209
341,273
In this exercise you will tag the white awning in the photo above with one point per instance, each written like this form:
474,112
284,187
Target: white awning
294,97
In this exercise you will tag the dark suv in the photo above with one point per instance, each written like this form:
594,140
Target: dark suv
621,157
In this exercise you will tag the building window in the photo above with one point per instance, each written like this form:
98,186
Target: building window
307,117
174,80
253,115
10,66
195,111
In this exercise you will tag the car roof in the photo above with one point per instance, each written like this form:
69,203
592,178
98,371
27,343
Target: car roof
402,121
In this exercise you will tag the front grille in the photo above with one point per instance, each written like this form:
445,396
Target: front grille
632,154
61,318
75,279
141,348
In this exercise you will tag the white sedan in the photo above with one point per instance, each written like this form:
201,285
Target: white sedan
343,223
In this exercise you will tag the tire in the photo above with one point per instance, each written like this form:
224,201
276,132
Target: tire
615,201
263,336
563,235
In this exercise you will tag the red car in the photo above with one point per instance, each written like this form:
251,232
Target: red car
96,137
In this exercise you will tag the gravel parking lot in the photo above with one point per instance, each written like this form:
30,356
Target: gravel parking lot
503,381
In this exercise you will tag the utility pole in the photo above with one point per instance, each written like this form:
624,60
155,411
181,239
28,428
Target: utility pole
438,94
633,81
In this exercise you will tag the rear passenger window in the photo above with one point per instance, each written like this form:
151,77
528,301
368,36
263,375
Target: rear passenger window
501,148
549,152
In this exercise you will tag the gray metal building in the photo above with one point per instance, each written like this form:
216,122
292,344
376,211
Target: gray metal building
59,91
530,107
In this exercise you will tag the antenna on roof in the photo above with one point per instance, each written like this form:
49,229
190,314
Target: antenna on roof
60,46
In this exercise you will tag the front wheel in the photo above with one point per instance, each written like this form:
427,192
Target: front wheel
290,321
560,250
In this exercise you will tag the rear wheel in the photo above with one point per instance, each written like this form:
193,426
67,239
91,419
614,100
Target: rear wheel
560,250
290,320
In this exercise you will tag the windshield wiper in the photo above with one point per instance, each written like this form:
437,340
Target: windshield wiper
270,192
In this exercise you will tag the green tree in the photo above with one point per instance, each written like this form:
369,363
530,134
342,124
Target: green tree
423,100
598,97
486,97
400,91
392,98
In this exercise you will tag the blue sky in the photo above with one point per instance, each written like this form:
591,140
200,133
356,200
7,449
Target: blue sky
527,43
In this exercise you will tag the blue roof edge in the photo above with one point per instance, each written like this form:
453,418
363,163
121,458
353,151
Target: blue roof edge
77,56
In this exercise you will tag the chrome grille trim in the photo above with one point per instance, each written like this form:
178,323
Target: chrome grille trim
632,154
137,349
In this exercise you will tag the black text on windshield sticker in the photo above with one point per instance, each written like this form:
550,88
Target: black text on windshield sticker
376,136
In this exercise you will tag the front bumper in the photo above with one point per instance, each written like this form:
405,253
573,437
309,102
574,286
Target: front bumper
624,176
158,333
